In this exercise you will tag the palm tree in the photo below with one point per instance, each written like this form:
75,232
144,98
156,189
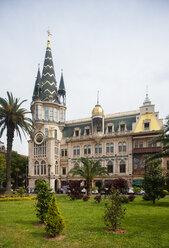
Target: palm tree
12,118
89,170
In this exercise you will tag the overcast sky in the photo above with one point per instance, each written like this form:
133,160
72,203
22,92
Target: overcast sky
116,47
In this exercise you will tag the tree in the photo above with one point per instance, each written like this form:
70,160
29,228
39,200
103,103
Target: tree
44,196
2,169
89,170
54,222
153,182
13,118
114,211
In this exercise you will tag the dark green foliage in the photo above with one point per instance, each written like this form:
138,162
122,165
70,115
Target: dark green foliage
21,191
54,222
124,199
136,189
86,198
153,183
119,183
131,197
114,211
44,196
167,181
98,198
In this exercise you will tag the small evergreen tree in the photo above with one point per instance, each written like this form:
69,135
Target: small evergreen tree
54,222
153,183
44,196
114,211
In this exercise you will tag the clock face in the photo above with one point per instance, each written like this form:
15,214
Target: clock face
39,138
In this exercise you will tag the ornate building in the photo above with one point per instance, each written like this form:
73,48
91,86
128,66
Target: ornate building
119,140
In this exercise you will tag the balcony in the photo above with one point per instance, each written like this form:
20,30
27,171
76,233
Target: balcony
145,150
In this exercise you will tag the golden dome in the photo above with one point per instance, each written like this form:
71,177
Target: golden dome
97,110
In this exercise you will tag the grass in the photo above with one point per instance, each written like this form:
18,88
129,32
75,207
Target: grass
147,225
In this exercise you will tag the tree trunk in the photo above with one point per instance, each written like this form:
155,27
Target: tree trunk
154,201
10,136
89,188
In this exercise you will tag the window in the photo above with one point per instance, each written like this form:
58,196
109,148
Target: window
149,144
120,147
124,146
87,131
36,168
46,132
154,145
122,128
55,134
64,171
40,112
122,167
46,113
110,167
146,126
61,115
66,153
74,150
89,149
76,165
141,144
167,164
43,167
40,150
62,152
55,115
51,114
136,144
111,147
77,133
36,112
78,150
107,147
56,148
96,148
100,148
85,149
56,167
109,129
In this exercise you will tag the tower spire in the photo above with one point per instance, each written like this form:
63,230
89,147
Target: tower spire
147,100
98,97
62,91
37,88
48,41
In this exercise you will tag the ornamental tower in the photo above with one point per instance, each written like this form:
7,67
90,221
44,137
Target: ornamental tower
48,109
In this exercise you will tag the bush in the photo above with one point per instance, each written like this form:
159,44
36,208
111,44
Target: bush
113,210
44,196
119,183
131,197
165,192
98,198
146,197
86,197
54,222
75,190
21,191
136,189
124,199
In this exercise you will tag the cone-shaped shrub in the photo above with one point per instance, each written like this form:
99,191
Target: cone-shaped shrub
54,222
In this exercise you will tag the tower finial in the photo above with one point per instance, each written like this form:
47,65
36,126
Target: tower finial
147,100
49,33
98,97
147,90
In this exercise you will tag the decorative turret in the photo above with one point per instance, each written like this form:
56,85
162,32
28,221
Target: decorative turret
37,88
48,81
98,117
62,91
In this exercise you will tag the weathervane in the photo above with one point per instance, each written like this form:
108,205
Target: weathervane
49,33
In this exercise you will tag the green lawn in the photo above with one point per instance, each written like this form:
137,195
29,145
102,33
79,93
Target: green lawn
146,225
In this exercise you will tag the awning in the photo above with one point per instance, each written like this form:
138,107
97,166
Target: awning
137,182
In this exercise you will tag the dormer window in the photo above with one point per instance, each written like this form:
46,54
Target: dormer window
87,131
146,125
110,129
77,133
122,127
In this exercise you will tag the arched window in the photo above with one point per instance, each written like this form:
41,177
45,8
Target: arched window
74,150
55,115
110,167
76,165
124,146
107,147
43,167
96,148
100,148
120,147
36,168
89,149
85,149
36,112
56,167
111,147
78,150
122,167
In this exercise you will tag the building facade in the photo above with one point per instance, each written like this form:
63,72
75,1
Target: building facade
119,141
